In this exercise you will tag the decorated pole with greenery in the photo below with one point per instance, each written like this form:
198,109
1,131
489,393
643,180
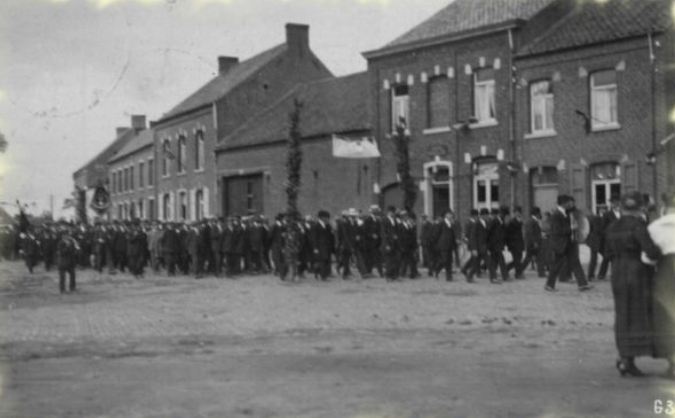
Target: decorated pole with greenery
403,166
294,158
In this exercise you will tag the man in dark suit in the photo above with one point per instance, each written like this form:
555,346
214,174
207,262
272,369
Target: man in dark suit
372,227
470,245
610,217
170,248
256,244
515,242
533,244
595,241
496,240
323,244
426,240
565,249
446,244
409,245
390,244
478,244
67,251
215,245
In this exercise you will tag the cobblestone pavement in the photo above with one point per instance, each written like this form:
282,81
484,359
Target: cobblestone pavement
254,346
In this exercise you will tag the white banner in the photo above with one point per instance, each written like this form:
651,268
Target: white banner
365,147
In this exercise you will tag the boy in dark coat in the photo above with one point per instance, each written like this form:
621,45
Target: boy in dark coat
67,252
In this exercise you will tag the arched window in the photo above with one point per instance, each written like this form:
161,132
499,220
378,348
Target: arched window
166,160
199,150
181,154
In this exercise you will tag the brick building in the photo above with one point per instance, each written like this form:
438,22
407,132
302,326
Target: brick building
593,99
496,94
251,160
186,136
95,172
132,175
449,79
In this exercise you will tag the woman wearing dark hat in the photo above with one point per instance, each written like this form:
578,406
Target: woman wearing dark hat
662,232
627,240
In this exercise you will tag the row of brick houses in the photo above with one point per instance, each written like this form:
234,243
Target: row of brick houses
506,102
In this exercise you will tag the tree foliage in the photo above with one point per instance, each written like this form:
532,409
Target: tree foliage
403,167
294,158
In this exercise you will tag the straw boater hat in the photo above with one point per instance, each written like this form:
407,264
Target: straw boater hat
352,212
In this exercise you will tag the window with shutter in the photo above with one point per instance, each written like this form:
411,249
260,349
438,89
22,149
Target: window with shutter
439,102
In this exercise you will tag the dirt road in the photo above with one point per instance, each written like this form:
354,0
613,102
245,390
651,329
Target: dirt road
254,347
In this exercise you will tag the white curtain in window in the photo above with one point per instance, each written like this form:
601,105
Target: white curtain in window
604,105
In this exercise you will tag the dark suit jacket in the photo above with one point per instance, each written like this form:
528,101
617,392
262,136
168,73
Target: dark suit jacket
533,235
216,238
479,238
390,236
496,238
447,238
323,241
560,235
514,235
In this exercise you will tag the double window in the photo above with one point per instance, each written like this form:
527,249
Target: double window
541,107
484,95
604,106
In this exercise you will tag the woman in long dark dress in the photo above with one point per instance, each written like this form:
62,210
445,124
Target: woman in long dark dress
627,239
662,232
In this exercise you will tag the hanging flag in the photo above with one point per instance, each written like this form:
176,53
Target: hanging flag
365,147
167,151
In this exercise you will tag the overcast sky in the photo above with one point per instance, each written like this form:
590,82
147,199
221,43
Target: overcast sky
73,70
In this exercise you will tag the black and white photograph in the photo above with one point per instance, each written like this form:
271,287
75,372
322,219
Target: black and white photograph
337,208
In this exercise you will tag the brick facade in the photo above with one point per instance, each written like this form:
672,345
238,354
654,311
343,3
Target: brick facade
327,183
576,153
253,90
134,197
456,63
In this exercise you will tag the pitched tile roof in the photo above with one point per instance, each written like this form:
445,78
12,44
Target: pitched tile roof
5,218
224,83
465,15
602,21
144,139
333,105
95,169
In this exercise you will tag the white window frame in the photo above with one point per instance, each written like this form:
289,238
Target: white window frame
400,107
598,122
199,204
430,183
607,184
181,157
151,173
141,174
478,88
200,149
489,179
543,104
166,161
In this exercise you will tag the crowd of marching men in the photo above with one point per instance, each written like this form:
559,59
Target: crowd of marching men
389,242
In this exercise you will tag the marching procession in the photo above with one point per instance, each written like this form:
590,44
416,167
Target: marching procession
389,243
631,239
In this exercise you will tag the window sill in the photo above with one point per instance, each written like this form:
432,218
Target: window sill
181,174
608,127
438,130
201,170
540,134
484,124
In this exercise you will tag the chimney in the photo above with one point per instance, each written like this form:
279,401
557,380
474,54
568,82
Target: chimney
119,131
297,37
138,122
225,64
